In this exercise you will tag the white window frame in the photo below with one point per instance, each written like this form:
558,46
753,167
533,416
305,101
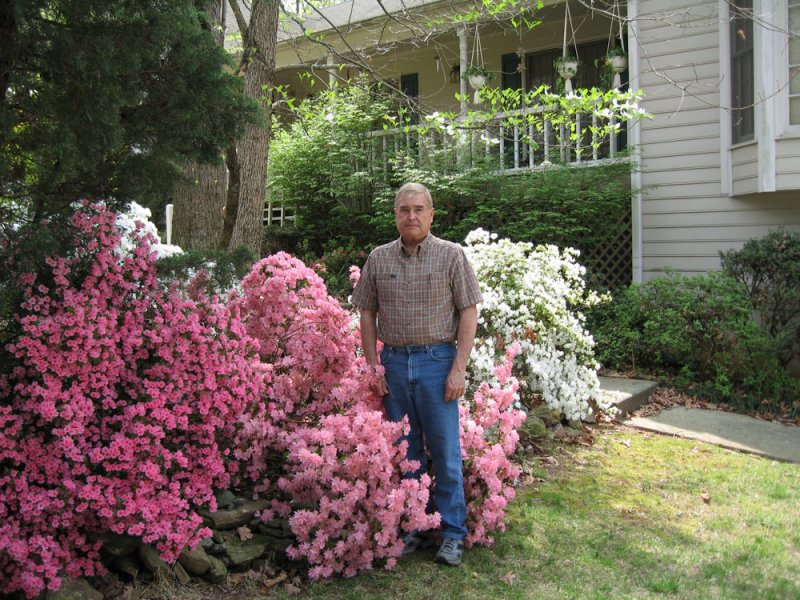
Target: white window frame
775,42
792,129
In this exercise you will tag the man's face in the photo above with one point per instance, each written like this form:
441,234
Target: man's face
413,216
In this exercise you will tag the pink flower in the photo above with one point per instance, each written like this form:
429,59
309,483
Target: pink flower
355,275
96,428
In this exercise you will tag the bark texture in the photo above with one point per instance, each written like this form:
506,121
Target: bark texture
199,199
199,202
253,147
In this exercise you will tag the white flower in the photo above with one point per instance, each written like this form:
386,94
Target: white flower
534,296
127,223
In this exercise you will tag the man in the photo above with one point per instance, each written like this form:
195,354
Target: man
418,295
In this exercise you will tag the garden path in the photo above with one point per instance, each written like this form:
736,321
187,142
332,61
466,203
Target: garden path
730,430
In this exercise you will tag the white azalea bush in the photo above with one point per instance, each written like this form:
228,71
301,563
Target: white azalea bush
534,296
137,218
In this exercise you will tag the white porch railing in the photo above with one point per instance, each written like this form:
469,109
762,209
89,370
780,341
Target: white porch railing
519,140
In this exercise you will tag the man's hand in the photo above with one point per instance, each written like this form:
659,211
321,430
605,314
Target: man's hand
369,341
455,386
379,386
456,380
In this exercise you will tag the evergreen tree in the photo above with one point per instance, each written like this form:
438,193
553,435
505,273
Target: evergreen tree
107,99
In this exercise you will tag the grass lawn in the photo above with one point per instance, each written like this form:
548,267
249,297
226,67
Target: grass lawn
637,515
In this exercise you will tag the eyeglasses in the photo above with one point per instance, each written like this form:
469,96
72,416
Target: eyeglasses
406,211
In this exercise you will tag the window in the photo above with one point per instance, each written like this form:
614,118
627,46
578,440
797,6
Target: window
511,77
794,62
409,85
742,83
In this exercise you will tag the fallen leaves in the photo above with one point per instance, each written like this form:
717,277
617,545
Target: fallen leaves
268,584
530,479
292,589
548,461
508,578
267,579
130,592
244,533
664,398
569,435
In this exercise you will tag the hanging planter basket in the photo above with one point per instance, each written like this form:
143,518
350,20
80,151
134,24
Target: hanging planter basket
618,64
567,68
566,65
477,81
477,76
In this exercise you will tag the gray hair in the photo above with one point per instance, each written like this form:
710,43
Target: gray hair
411,189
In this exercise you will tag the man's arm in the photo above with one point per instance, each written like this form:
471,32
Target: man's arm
456,381
369,341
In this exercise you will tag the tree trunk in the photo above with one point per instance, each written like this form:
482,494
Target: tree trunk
199,199
232,207
254,145
199,202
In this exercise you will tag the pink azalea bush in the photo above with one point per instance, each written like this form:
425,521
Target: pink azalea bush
345,471
116,415
339,480
488,439
304,335
317,446
132,402
307,345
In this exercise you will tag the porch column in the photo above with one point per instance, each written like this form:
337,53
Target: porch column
331,64
463,34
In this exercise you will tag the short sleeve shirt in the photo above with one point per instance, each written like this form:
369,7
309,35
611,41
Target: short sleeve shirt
417,297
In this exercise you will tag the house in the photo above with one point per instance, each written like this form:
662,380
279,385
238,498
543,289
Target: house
720,160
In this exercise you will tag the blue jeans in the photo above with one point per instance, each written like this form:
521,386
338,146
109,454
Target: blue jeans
416,377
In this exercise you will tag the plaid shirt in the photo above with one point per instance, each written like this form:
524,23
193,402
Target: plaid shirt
417,298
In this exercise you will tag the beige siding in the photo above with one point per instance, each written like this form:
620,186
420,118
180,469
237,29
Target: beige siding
686,218
667,101
698,234
689,264
731,220
699,159
669,138
744,169
787,167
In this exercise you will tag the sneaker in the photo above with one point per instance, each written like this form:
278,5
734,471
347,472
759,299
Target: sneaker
450,552
416,540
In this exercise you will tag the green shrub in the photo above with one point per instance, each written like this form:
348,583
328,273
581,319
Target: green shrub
558,206
281,238
769,267
696,332
586,208
318,163
334,268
